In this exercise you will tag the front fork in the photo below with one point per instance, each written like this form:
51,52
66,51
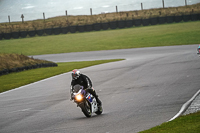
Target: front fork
83,103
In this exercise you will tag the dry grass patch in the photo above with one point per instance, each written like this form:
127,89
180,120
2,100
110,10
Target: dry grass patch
63,21
9,61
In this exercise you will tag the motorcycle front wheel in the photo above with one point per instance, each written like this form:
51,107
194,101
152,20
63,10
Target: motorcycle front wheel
86,109
100,110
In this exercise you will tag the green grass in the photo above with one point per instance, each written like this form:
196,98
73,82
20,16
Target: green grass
184,124
15,80
150,36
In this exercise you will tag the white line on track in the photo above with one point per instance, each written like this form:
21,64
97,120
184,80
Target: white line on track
185,106
31,84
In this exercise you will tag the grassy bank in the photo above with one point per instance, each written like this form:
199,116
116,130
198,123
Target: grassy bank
184,124
9,61
15,80
151,36
64,21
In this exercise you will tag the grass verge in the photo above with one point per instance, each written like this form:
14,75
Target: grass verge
9,61
150,36
184,124
15,80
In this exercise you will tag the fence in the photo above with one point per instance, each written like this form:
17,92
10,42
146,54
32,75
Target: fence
101,26
162,4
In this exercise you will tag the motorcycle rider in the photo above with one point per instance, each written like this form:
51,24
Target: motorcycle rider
198,49
83,80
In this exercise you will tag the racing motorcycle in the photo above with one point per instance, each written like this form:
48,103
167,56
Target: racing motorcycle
198,50
86,101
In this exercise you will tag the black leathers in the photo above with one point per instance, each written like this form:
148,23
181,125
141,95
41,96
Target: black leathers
82,80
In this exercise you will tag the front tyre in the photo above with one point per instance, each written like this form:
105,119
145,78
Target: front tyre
86,109
100,110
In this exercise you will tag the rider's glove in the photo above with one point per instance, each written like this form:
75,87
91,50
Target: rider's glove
83,92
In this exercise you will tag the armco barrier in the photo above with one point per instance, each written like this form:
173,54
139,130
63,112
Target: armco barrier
23,34
102,26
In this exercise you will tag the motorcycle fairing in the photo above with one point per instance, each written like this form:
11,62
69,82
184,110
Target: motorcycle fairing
89,97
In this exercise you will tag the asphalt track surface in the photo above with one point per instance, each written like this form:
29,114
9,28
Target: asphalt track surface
145,90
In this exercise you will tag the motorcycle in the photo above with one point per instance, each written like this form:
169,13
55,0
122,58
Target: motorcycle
86,101
198,50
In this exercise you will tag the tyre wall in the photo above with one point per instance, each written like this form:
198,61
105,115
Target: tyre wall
56,31
18,69
101,26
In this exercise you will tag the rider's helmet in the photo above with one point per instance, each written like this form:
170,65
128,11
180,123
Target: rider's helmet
75,74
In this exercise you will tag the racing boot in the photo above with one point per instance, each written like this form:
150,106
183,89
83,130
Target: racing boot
97,98
98,101
93,92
